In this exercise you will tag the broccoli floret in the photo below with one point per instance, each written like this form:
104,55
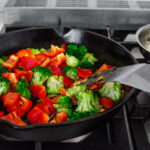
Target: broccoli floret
63,107
88,61
73,49
40,75
78,115
111,90
88,102
70,72
81,52
3,69
65,100
64,104
23,89
4,85
76,89
72,61
35,51
1,61
4,58
53,84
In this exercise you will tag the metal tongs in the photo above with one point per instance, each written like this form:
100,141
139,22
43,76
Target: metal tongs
137,76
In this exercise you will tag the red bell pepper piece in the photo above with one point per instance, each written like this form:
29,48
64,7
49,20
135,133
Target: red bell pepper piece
18,121
58,60
95,86
10,116
36,115
27,73
57,71
24,107
105,67
49,104
29,63
68,82
55,50
45,62
63,46
11,62
54,100
25,52
61,117
14,107
63,65
13,118
38,91
1,114
10,98
41,57
84,73
43,107
106,102
10,76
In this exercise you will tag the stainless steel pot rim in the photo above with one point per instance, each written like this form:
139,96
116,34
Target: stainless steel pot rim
138,32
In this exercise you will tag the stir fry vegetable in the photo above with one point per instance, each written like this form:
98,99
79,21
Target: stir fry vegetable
40,85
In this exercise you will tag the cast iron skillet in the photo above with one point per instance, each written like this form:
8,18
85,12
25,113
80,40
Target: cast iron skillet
106,50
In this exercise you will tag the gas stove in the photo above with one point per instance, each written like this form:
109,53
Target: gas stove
130,128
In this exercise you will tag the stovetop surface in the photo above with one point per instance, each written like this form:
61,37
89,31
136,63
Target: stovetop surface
97,140
117,138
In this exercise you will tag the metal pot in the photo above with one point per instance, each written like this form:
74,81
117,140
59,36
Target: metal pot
143,39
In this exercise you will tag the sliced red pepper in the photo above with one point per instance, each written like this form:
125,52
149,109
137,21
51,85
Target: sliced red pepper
13,118
49,104
10,116
61,117
10,98
63,91
14,107
27,73
56,71
84,73
24,107
55,50
106,102
95,86
105,67
10,76
43,107
68,82
29,63
41,57
11,62
54,100
63,65
1,114
63,46
18,121
45,62
38,91
25,52
36,115
58,60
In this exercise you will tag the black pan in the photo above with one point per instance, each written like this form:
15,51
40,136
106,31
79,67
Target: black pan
106,50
